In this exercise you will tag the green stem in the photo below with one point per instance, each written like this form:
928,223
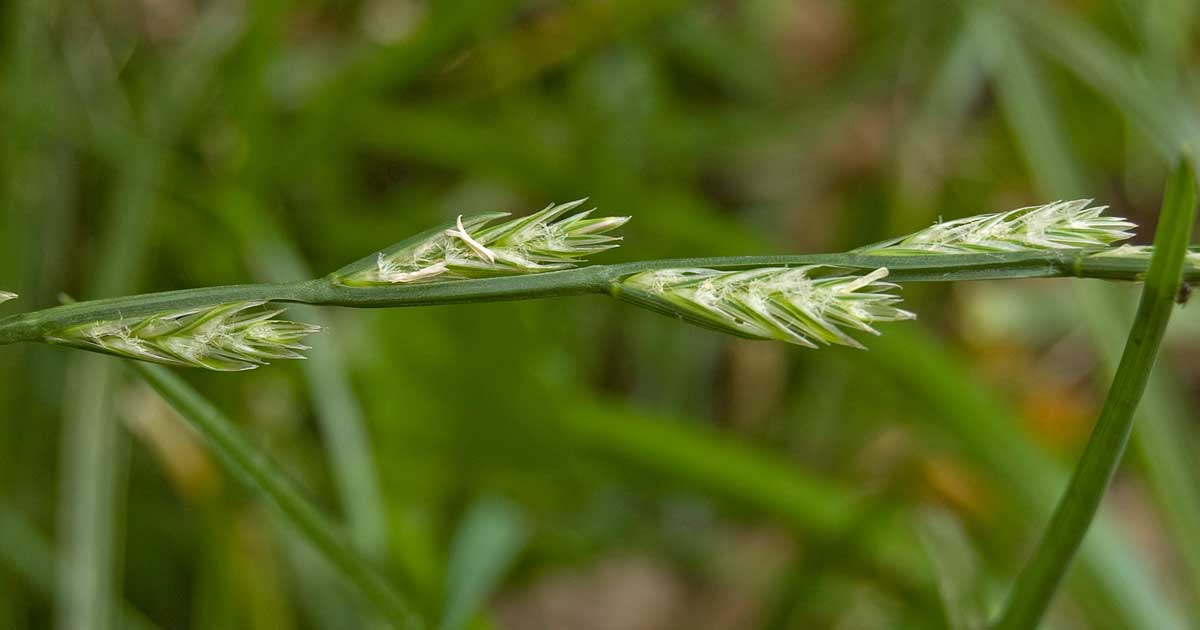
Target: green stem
597,279
1038,581
250,465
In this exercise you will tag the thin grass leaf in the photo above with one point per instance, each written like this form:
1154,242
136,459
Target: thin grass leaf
262,475
1030,109
25,552
93,444
977,419
1162,438
1037,583
275,258
487,543
1149,103
959,571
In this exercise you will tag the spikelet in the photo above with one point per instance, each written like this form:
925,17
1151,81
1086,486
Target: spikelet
227,338
536,243
1058,225
796,305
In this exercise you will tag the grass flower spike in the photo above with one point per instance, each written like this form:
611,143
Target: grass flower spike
228,337
6,296
536,243
1058,225
796,304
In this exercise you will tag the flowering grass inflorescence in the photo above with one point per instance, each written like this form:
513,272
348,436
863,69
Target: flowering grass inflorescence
1058,225
536,243
796,304
6,296
808,300
228,337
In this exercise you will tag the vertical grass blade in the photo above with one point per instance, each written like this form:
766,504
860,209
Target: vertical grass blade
487,542
257,471
1161,440
93,444
28,555
93,452
960,573
1037,123
1038,581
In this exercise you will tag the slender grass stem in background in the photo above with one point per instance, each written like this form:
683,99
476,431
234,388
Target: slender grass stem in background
24,551
255,469
338,409
1032,109
1038,581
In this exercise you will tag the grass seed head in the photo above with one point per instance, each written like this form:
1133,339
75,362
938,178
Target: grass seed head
6,296
228,337
543,241
798,305
1058,225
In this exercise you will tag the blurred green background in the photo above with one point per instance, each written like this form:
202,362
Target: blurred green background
577,463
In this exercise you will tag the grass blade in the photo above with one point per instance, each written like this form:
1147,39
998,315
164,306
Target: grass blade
258,472
1032,112
27,554
1037,583
93,445
93,451
959,570
1161,439
979,422
1152,106
488,541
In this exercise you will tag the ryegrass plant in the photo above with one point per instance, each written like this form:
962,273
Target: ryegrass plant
310,126
805,300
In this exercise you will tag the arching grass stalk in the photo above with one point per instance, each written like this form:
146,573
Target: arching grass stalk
464,261
1038,581
250,465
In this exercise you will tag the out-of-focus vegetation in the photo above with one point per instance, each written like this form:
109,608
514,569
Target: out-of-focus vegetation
578,463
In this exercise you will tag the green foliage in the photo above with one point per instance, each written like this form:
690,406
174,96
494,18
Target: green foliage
182,144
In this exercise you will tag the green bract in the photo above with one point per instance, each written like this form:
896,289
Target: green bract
786,304
532,244
1058,225
228,337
